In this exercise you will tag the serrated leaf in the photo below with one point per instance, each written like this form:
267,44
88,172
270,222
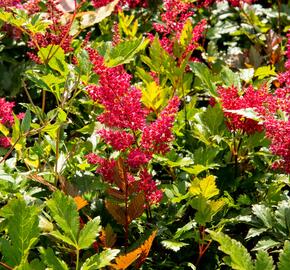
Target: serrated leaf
265,244
124,52
100,260
265,71
247,112
145,248
205,187
117,212
80,202
173,245
187,227
264,261
240,259
89,233
63,238
264,214
139,255
64,211
22,227
136,207
284,261
51,260
108,237
123,261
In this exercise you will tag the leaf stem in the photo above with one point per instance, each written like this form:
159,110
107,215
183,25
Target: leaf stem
6,266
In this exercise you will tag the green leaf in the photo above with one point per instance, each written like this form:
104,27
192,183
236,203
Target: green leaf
265,71
230,78
125,52
239,258
63,238
265,244
264,214
173,245
213,119
4,130
248,113
204,74
89,233
264,261
187,227
50,260
205,187
284,261
100,260
22,227
25,124
64,211
55,56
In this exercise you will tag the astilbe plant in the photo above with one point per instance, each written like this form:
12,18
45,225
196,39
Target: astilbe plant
276,116
272,109
128,132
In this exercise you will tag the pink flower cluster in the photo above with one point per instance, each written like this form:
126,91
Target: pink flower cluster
127,129
232,100
273,109
9,3
277,117
6,119
176,13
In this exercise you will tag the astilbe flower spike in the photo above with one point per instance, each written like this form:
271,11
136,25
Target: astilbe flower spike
273,109
6,119
276,116
126,127
176,13
231,100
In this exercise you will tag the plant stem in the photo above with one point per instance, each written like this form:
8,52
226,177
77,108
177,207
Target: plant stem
126,214
57,154
43,100
6,266
78,259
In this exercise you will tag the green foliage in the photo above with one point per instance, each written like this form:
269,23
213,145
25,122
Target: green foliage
23,231
98,261
239,258
58,212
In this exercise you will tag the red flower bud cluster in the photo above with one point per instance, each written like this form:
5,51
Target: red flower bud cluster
173,19
273,110
126,124
232,100
56,34
277,117
6,119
